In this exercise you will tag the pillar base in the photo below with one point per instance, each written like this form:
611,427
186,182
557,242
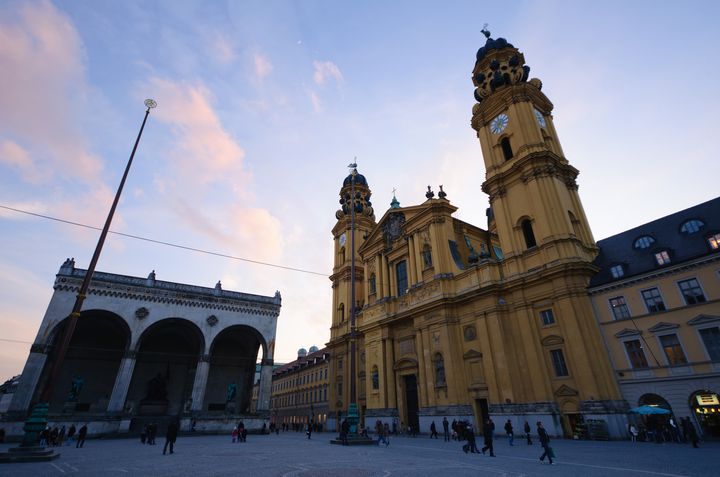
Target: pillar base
28,454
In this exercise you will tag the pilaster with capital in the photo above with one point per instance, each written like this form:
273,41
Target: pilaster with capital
122,383
201,376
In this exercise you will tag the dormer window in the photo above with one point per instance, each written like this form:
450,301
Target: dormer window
662,257
691,226
643,242
617,271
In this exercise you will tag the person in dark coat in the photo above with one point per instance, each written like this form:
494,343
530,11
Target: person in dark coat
71,434
433,430
171,437
446,429
82,433
527,433
690,432
471,443
488,430
509,431
544,442
344,430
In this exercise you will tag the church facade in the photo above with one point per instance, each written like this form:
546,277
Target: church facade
146,350
469,323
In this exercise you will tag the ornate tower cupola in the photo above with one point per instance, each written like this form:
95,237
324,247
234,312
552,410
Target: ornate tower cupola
354,194
532,187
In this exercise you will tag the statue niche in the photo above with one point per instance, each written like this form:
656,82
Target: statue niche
155,400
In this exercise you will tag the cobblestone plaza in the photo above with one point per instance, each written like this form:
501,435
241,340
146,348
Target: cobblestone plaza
292,454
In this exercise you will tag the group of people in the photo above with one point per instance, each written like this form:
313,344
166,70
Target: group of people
239,433
660,430
148,433
55,436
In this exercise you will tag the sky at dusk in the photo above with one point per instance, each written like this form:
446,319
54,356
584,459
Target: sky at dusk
262,105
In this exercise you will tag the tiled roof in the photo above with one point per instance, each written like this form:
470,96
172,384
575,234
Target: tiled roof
300,362
682,247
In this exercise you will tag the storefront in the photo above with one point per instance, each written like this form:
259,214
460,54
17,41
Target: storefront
706,408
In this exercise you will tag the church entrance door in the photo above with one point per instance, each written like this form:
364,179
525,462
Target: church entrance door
411,401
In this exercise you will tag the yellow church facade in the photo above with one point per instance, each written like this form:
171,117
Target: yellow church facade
456,321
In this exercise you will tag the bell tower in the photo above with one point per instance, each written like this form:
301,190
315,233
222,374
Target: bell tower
532,186
355,204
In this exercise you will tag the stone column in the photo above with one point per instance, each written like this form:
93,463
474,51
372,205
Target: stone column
29,380
201,377
386,276
122,383
411,267
266,368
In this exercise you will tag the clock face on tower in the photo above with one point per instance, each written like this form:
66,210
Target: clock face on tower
498,124
342,240
540,118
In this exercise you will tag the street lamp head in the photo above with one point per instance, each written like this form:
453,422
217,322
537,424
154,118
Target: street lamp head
150,103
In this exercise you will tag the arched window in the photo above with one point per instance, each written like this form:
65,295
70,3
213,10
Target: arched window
506,149
427,256
691,226
439,370
375,378
341,312
402,279
342,255
643,242
528,233
372,285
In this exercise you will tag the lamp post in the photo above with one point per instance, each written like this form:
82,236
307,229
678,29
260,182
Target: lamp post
353,416
29,449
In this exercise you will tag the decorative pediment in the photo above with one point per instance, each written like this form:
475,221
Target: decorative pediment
704,319
627,332
552,340
405,363
566,390
662,326
471,353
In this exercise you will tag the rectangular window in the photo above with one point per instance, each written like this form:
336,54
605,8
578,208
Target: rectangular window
339,386
340,363
617,271
558,360
372,285
402,279
714,241
662,258
691,291
619,308
547,317
673,351
711,338
635,353
653,300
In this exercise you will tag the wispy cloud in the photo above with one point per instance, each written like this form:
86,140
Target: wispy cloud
316,103
263,67
325,70
210,188
42,83
16,157
223,49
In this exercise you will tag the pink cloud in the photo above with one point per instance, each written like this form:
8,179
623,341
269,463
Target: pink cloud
316,103
42,84
12,154
263,67
325,70
207,183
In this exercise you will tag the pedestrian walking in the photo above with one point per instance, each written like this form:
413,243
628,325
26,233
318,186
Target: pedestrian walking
82,433
509,432
61,436
446,429
488,429
234,434
170,437
545,443
71,434
344,430
633,433
309,429
690,431
433,430
380,430
152,431
527,433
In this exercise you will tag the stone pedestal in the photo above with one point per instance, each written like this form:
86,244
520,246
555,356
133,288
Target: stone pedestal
29,450
153,408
